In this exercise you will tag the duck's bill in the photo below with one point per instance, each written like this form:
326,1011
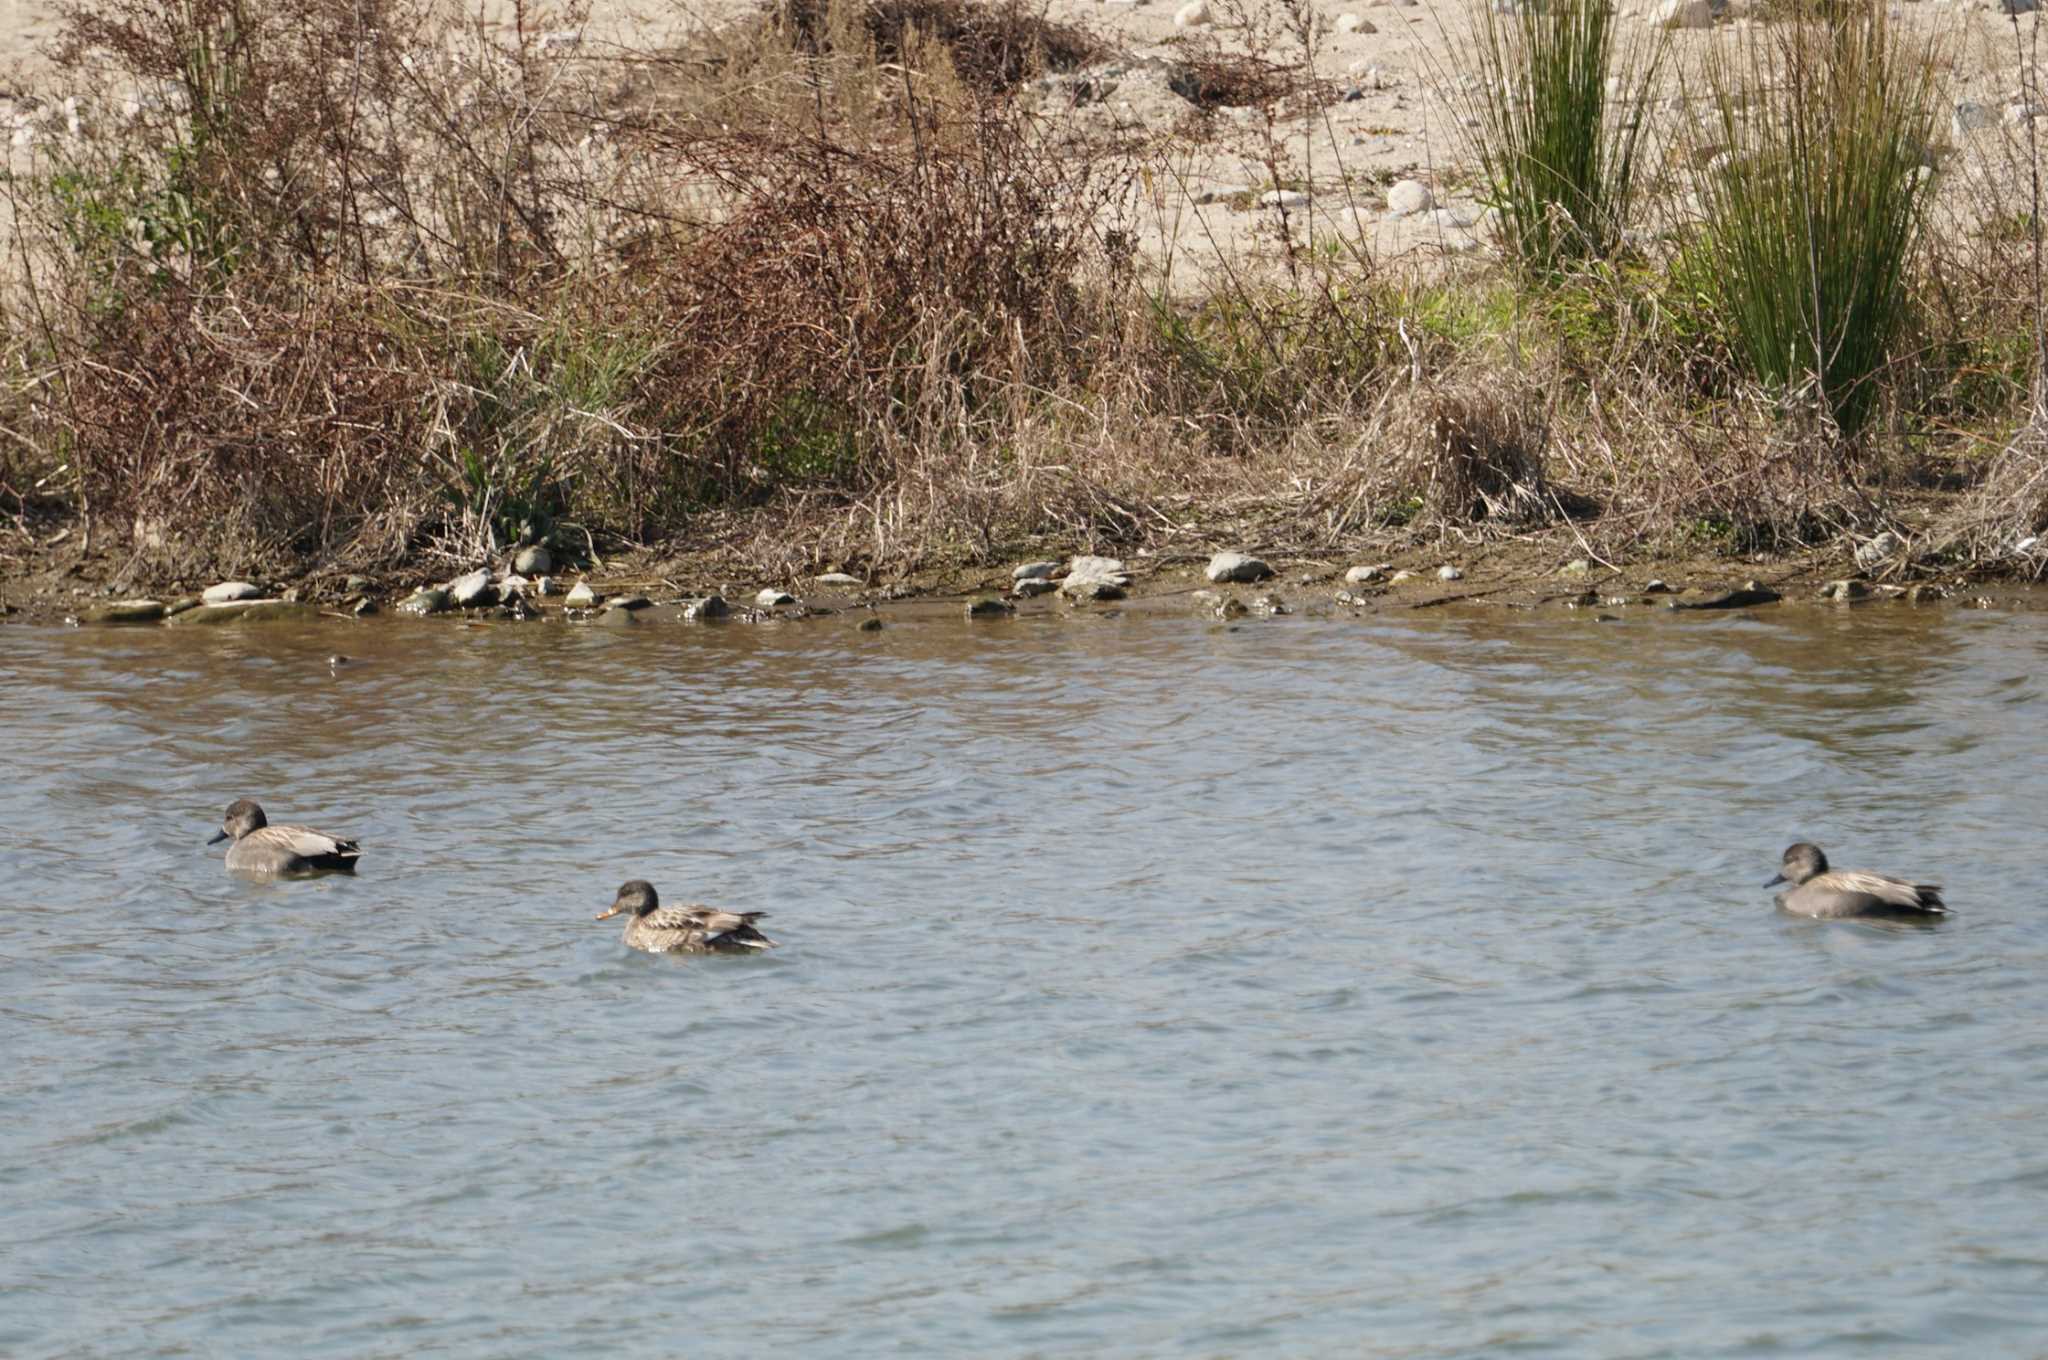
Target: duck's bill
1775,881
216,838
613,910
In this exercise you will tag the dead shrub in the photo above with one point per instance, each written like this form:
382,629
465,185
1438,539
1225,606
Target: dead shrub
1211,77
993,47
1483,458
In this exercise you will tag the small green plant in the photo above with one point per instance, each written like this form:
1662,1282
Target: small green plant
1559,146
1813,206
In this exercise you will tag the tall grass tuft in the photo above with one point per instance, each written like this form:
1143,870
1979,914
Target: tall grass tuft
1814,200
1561,152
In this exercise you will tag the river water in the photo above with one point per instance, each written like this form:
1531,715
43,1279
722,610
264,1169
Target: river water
1396,986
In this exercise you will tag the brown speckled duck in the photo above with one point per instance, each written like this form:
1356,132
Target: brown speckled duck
261,848
1843,894
684,930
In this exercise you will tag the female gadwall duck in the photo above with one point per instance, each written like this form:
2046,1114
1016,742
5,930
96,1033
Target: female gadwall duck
261,848
1842,893
684,930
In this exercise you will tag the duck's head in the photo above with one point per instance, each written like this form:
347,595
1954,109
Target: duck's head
636,896
1799,863
243,817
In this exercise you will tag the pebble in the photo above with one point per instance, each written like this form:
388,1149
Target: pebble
1222,193
1034,571
1578,566
543,586
1354,23
472,590
1283,198
837,578
988,607
1194,14
1034,585
1230,609
1656,587
771,598
1358,576
710,607
1448,573
534,561
581,596
626,604
619,617
870,624
1970,116
1410,196
432,600
229,591
1845,591
358,585
1402,575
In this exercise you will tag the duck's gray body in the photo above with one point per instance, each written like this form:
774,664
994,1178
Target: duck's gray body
1848,894
260,848
689,929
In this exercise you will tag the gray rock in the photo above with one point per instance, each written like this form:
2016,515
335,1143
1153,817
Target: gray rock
837,578
1353,23
1283,198
989,607
1359,576
1578,566
543,586
581,596
228,591
534,561
1034,585
1107,569
1237,566
432,600
1402,575
473,590
246,611
1083,588
1230,609
1272,604
617,617
125,611
1449,573
1878,551
1970,116
1683,13
626,604
1656,587
2018,6
1035,571
710,607
770,598
358,585
1845,591
1408,197
181,604
363,606
870,624
1194,14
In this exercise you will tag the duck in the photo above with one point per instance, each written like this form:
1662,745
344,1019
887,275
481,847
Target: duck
260,848
1841,894
690,929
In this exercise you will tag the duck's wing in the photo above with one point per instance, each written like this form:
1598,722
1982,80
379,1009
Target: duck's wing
316,848
709,927
1885,891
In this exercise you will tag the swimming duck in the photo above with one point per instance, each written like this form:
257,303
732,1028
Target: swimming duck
261,848
684,930
1842,893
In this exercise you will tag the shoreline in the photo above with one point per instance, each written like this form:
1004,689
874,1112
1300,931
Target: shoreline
57,584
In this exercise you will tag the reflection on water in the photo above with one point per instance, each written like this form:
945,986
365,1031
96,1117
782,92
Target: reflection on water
1384,987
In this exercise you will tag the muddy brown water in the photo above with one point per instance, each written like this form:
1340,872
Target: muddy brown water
1396,986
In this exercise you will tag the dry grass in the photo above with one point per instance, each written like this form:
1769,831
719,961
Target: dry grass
818,288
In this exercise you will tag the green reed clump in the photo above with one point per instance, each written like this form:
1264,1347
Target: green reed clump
1561,152
1813,203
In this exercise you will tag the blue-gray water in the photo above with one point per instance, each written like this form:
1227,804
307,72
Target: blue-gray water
1394,987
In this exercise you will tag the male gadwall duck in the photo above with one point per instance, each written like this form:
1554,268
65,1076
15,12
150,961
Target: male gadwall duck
261,848
684,930
1842,893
